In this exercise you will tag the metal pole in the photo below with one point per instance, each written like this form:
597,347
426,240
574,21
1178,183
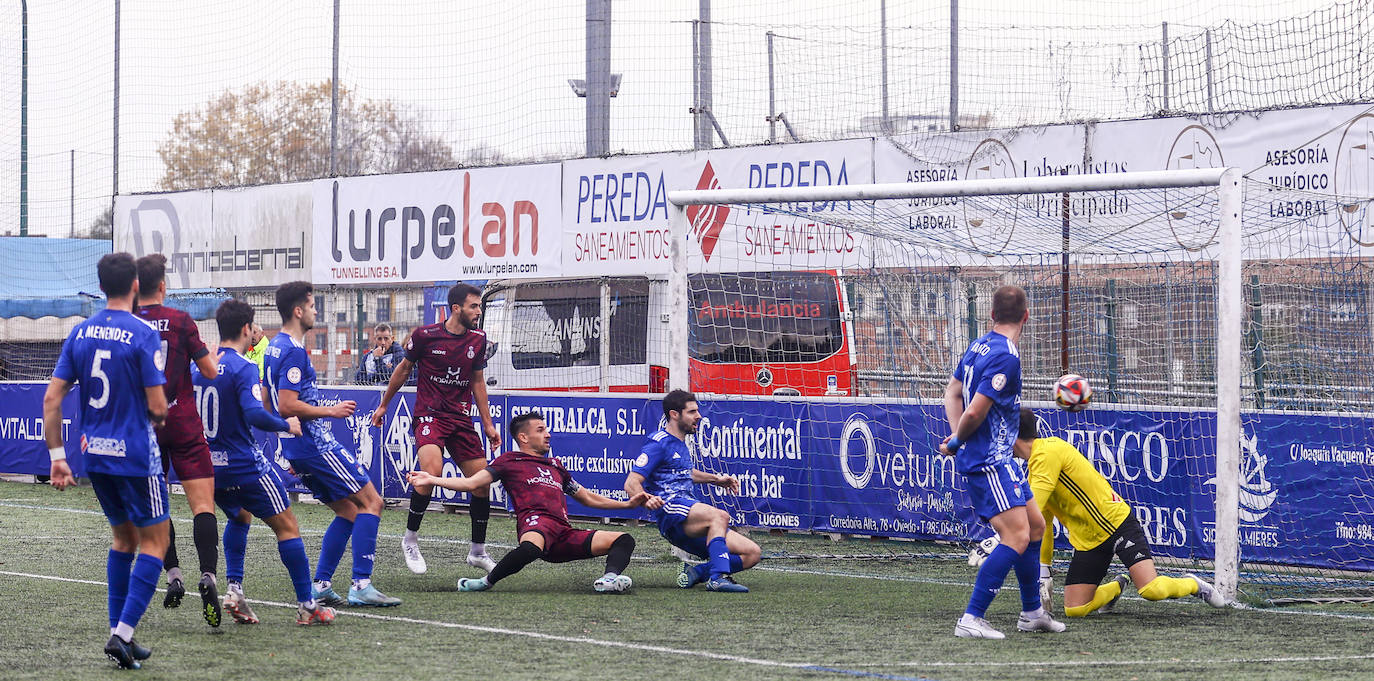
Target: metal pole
704,64
1257,339
679,300
1113,377
71,195
884,126
1210,106
954,66
1164,51
115,156
1230,302
334,101
24,115
604,338
698,118
772,103
1064,285
598,77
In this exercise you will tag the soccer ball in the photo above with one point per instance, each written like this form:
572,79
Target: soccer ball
1072,392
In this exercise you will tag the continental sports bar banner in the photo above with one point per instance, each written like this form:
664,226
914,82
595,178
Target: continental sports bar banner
483,223
616,211
222,238
1306,481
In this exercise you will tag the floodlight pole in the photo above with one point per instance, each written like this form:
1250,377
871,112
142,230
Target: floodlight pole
24,118
598,77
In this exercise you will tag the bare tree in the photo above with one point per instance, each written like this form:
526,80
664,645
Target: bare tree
279,132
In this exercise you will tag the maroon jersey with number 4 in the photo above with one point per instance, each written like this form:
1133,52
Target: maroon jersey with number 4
536,485
181,345
446,362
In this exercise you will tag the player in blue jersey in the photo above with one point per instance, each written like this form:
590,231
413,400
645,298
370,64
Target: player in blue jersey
246,484
323,465
664,469
116,359
983,404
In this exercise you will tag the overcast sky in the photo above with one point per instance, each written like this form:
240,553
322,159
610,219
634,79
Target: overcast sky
494,73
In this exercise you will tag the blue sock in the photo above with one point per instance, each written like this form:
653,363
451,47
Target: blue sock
737,565
297,565
117,568
142,585
701,571
990,577
332,548
1028,576
235,546
718,557
365,528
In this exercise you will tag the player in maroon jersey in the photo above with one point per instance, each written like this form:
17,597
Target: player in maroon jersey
451,356
536,483
182,437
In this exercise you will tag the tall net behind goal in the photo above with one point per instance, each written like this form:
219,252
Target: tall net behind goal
849,314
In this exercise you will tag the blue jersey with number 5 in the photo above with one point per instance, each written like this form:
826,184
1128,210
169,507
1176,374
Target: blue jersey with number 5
991,366
113,357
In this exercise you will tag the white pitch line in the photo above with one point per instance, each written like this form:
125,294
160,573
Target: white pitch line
582,640
1025,664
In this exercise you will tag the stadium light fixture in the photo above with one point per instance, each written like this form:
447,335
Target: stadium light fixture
579,85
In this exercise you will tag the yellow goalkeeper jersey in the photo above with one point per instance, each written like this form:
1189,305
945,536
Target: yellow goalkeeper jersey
1067,487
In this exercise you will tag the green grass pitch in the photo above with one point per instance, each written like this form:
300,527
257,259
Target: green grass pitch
805,619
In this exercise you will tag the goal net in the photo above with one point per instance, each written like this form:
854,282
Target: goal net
1224,324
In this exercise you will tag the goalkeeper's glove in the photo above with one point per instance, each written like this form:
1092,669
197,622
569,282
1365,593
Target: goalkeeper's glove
1046,588
982,550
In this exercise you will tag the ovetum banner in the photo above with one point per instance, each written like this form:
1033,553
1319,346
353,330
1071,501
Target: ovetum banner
1306,480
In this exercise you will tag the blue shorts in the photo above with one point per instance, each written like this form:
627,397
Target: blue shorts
331,476
672,522
129,499
998,488
263,497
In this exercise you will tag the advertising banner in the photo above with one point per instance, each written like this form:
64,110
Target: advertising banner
1306,480
616,211
454,224
225,238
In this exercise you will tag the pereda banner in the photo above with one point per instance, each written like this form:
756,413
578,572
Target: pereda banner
251,237
455,224
616,213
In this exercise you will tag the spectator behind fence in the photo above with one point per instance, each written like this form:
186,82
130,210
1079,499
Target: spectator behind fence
257,349
381,358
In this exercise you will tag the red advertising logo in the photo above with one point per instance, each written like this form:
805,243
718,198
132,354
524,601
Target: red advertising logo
707,221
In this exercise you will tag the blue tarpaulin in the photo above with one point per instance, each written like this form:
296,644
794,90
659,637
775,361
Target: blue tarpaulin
57,278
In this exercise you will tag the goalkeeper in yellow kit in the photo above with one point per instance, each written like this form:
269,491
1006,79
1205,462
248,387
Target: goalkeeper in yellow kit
1099,523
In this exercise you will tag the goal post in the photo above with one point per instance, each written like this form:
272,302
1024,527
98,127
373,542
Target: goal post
699,216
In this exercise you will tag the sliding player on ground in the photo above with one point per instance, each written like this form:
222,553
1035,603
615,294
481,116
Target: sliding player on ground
451,356
323,465
246,484
181,440
537,484
117,360
982,403
1100,524
664,468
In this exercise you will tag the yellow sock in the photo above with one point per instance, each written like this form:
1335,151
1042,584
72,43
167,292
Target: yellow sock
1162,587
1101,597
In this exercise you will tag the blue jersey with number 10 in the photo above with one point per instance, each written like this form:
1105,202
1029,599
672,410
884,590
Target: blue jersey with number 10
992,367
113,357
228,405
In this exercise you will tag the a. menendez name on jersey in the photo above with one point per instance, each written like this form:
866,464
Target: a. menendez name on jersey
781,440
109,333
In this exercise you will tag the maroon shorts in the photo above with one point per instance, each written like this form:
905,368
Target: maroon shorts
182,441
457,436
562,542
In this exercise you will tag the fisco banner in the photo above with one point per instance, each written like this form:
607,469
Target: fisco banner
482,223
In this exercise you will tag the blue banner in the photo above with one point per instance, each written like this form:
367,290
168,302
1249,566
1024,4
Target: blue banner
1306,481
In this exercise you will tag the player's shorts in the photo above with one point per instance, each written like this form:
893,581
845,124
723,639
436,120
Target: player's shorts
182,441
457,436
1128,543
998,488
562,542
263,497
332,475
131,499
672,524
